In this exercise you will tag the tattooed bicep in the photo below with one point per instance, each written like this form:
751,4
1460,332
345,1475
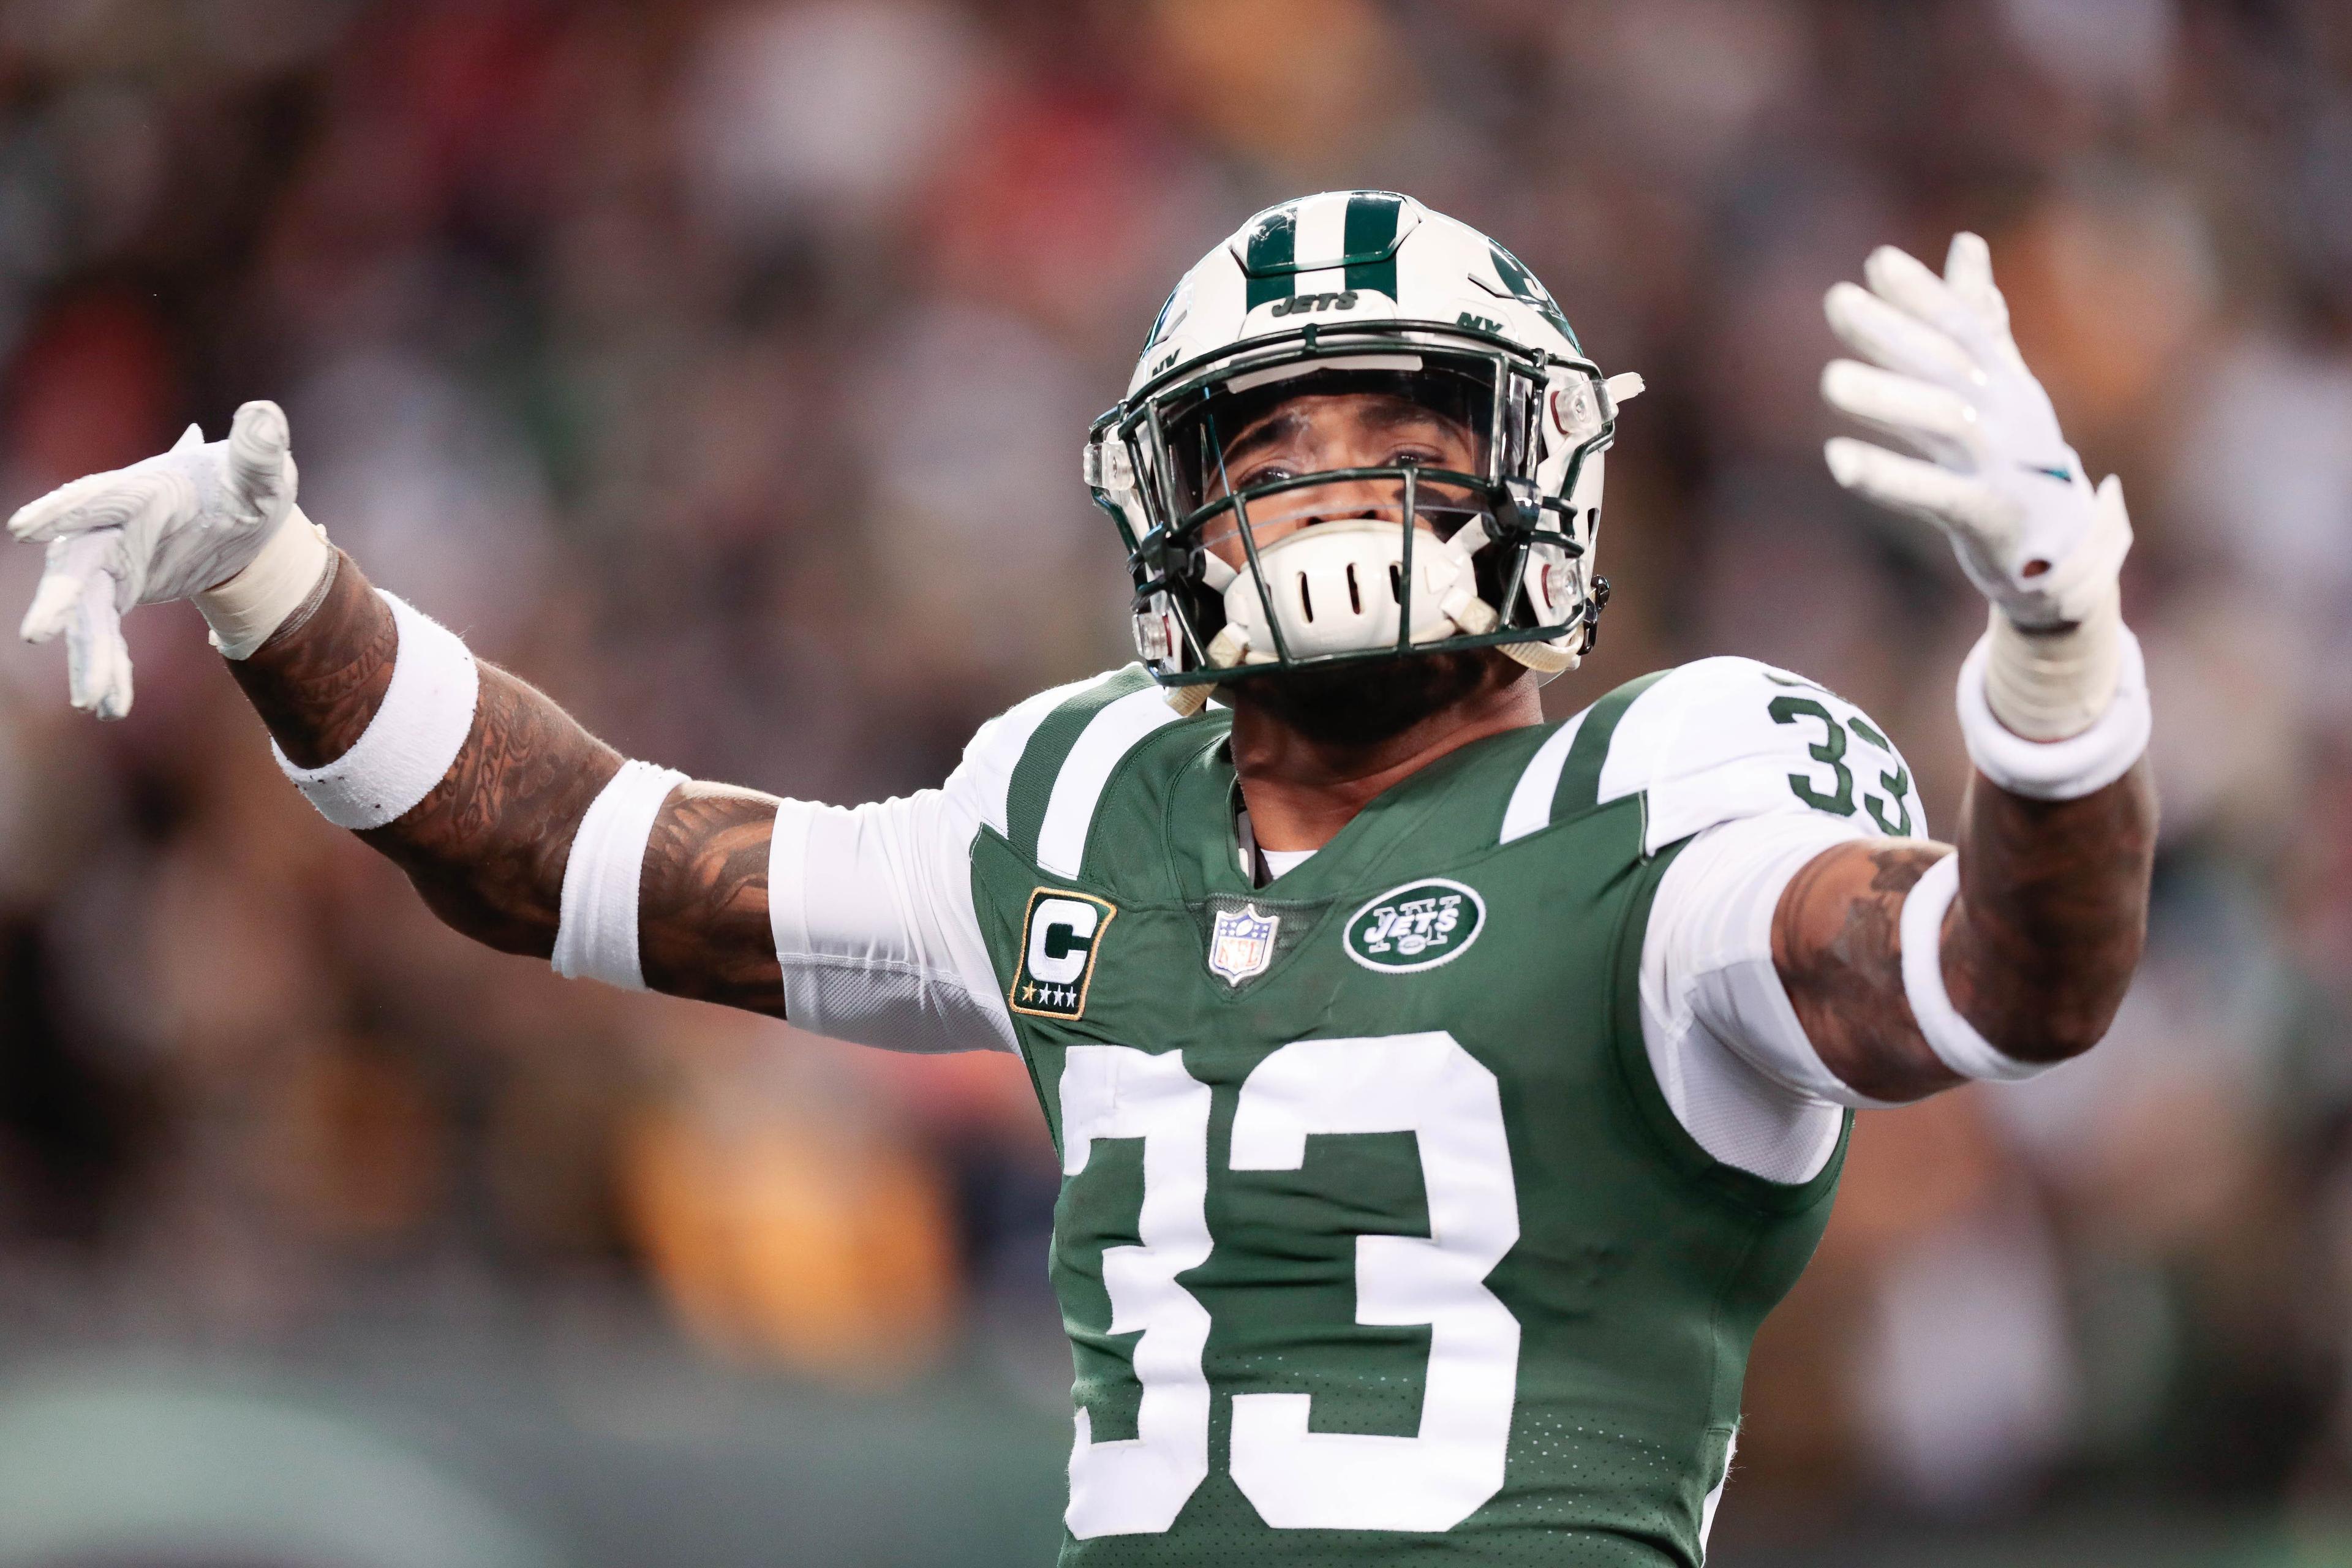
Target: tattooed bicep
703,926
1836,942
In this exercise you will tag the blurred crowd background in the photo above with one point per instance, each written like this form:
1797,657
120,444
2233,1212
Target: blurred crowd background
722,368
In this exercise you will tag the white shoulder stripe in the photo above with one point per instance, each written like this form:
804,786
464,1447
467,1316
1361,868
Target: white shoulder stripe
985,777
1531,797
1109,735
1650,731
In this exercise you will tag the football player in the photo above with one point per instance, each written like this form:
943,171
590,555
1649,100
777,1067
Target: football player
1444,1096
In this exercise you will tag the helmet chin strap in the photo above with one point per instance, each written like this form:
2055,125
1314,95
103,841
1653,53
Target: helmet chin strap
1546,658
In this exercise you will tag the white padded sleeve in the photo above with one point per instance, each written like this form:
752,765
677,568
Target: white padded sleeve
871,906
1722,1039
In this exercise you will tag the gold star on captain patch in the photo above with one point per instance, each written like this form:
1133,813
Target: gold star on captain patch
1029,992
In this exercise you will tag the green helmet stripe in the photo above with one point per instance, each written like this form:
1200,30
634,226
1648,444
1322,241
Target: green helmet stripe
1522,285
1372,218
1273,249
1580,777
1031,786
1160,322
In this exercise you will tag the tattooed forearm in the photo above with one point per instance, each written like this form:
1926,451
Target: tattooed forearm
703,927
2037,948
486,847
321,676
2052,914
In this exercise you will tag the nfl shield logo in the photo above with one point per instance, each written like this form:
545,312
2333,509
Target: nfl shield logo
1242,943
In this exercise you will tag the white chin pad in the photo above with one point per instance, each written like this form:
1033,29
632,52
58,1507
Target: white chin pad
1334,587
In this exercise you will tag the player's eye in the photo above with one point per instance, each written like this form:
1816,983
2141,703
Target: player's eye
1264,473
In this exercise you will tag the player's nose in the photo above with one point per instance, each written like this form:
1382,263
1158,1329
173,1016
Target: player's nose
1350,499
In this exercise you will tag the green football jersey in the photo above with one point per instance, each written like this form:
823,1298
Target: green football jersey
1376,1240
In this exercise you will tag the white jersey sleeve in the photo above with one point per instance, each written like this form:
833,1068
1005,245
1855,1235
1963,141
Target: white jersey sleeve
1761,770
872,905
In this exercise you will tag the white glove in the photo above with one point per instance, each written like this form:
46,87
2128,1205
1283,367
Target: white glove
2029,531
171,527
2027,528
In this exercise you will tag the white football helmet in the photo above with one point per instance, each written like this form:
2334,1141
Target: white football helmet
1358,291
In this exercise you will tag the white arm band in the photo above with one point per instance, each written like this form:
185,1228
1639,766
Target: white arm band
1952,1037
416,735
596,936
2056,770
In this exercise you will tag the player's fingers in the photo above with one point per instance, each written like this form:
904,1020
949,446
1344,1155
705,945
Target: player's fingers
52,606
1905,282
257,463
1968,271
79,563
91,501
1887,336
1978,514
97,662
1935,420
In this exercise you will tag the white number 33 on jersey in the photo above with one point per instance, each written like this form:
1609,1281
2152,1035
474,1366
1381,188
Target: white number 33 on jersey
1426,1084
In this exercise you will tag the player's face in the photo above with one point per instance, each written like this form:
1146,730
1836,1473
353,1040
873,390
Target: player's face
1316,433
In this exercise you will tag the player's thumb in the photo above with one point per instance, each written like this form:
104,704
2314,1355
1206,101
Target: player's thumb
260,466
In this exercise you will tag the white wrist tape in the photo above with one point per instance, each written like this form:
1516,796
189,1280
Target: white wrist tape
416,735
596,936
1952,1037
2049,685
247,609
2058,770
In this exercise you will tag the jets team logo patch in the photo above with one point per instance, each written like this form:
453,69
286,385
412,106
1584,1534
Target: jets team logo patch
1059,937
1241,943
1417,926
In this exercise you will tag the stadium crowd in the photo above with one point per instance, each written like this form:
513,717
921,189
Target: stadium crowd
722,369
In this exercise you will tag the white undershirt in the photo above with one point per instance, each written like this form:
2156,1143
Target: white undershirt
1282,862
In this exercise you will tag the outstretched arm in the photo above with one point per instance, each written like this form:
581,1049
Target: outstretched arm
315,648
2033,951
